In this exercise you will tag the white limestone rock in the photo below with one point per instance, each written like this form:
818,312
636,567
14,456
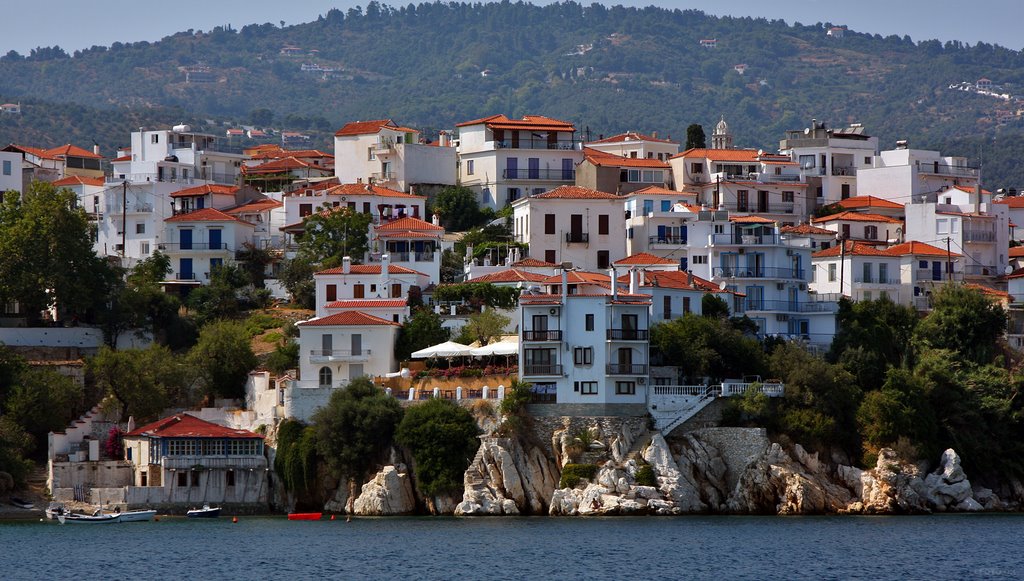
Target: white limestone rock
388,493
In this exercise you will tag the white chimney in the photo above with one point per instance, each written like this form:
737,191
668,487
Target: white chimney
632,281
435,220
385,261
442,139
565,283
96,148
346,265
614,281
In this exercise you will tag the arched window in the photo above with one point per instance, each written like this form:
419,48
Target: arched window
325,377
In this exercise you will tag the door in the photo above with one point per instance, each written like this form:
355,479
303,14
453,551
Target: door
396,290
200,202
552,140
327,343
793,303
755,264
357,344
355,371
576,227
661,234
358,291
534,164
215,239
186,239
762,201
515,139
512,168
936,270
567,172
185,269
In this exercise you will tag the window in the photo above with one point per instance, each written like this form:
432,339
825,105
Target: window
883,273
787,197
140,228
229,478
195,478
603,260
832,273
583,355
182,478
586,387
369,154
332,293
696,168
7,167
325,376
667,306
942,226
144,248
741,200
700,259
867,160
666,205
154,138
305,210
867,272
549,223
686,304
469,167
602,224
550,257
845,191
648,206
625,387
589,322
846,231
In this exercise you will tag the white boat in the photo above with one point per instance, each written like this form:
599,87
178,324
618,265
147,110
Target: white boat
137,515
21,503
206,512
54,510
73,518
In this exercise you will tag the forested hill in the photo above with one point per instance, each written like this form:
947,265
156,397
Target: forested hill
605,68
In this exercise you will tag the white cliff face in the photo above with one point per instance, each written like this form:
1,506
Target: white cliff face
505,478
388,493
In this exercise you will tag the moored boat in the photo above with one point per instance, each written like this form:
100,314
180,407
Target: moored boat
137,515
21,503
305,515
73,518
206,512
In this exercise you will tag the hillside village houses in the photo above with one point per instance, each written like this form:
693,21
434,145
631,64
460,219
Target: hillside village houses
619,233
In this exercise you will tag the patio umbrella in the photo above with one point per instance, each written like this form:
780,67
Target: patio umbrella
446,349
499,348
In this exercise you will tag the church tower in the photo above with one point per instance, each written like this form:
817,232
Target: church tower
721,139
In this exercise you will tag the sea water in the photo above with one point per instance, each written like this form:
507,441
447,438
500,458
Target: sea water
613,548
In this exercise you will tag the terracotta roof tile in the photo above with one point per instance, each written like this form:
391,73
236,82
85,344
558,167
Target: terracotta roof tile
363,127
633,136
720,154
206,189
370,269
510,275
575,193
347,319
601,158
254,206
918,249
852,248
852,216
78,181
659,191
869,202
408,223
528,122
532,263
73,151
369,190
750,220
205,215
644,258
185,426
807,229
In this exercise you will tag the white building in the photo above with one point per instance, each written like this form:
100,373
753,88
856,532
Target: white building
863,226
656,223
365,281
982,235
636,145
10,172
409,242
572,224
829,161
200,241
385,154
858,271
915,175
505,159
924,267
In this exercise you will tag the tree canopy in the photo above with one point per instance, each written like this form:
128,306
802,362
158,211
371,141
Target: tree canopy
223,358
442,437
355,427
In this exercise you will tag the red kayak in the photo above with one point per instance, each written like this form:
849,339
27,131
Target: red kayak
305,515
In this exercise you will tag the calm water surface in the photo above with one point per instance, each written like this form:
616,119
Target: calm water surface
932,548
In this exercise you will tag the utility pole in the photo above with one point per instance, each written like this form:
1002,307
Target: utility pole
949,262
124,215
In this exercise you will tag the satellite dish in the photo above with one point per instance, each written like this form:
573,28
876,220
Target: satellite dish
721,285
1008,270
807,130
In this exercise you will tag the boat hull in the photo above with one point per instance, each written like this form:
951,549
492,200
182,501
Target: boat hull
137,515
83,519
203,513
305,515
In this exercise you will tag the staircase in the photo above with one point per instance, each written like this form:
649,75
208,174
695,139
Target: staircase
672,405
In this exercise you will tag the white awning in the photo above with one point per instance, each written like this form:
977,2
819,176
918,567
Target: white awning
446,349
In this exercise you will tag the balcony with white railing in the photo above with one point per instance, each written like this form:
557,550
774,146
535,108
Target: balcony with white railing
548,175
768,272
626,369
542,370
979,235
178,247
538,143
213,462
942,169
667,240
744,239
338,355
138,208
383,177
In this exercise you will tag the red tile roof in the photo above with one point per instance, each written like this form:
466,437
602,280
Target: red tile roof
970,190
73,151
123,158
1017,252
527,123
676,279
36,151
280,152
576,193
367,304
205,215
633,136
188,426
807,229
254,206
510,275
851,248
852,216
78,181
869,202
580,277
410,234
370,269
601,158
918,249
370,127
408,223
644,258
206,189
347,319
369,190
533,263
280,165
659,191
1014,202
750,220
749,155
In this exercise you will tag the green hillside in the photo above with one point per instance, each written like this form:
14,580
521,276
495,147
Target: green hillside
606,69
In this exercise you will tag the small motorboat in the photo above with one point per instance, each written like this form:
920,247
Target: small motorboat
95,518
55,510
21,503
305,515
206,512
137,515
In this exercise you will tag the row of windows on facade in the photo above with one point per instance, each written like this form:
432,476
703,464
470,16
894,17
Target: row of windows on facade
591,387
629,322
184,479
206,447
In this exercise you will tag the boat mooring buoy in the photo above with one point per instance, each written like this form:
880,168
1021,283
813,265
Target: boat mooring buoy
234,519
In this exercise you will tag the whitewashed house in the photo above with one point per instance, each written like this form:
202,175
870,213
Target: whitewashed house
382,280
829,160
385,154
200,241
980,232
915,175
923,268
863,227
635,145
859,271
656,223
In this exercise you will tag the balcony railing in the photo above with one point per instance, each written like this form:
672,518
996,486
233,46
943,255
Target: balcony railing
325,355
626,369
577,237
550,335
980,270
627,334
423,256
132,208
547,369
758,272
942,169
383,176
185,276
880,280
744,239
667,239
926,274
790,306
769,208
979,236
565,144
844,171
178,246
551,175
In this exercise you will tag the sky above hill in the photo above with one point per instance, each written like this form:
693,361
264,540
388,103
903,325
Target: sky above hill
74,25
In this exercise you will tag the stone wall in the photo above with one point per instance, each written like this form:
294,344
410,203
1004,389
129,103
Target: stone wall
102,474
738,448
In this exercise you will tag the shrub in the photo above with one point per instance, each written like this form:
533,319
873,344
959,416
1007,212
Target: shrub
645,475
442,437
572,474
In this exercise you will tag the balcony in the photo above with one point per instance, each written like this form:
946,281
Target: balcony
563,144
941,169
423,256
211,462
332,355
536,370
626,369
550,175
743,239
759,272
626,334
132,208
844,171
979,235
980,270
382,177
552,335
577,237
384,147
671,239
184,276
926,274
192,247
876,280
791,306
